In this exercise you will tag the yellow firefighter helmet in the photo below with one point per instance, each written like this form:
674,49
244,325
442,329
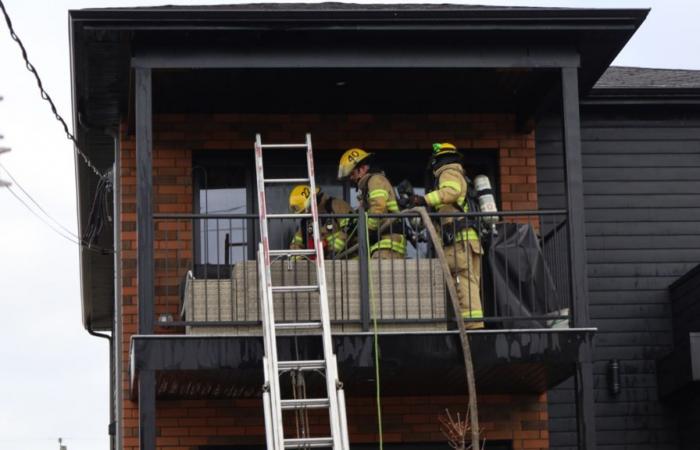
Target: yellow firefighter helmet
444,148
300,198
351,159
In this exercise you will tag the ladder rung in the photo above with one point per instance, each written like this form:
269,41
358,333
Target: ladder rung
289,216
283,146
309,442
286,180
302,365
299,326
309,403
290,252
310,288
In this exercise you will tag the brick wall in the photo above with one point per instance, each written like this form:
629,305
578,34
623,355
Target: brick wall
188,424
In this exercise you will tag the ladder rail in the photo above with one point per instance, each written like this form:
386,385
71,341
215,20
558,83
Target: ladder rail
270,360
270,434
266,290
329,356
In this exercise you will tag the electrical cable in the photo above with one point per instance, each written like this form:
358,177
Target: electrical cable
376,342
45,95
99,211
57,231
66,234
17,183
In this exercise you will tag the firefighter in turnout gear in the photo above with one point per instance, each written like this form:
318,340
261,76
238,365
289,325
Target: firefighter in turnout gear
459,238
333,230
376,194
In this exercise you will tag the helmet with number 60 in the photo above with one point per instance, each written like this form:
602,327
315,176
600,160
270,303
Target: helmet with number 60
351,159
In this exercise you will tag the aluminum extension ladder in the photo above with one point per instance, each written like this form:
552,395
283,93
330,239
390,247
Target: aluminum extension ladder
273,404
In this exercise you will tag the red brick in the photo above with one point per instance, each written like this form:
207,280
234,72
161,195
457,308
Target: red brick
514,179
174,431
522,170
167,441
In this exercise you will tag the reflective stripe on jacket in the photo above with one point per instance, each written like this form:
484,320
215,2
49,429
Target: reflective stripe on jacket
473,314
394,242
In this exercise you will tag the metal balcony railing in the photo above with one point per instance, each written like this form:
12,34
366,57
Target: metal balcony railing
207,282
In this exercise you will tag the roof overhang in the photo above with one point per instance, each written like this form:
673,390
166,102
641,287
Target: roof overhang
323,36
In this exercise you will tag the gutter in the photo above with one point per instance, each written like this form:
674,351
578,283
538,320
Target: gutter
355,17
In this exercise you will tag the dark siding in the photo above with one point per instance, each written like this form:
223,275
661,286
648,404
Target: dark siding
642,200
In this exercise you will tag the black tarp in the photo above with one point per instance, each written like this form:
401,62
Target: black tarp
517,281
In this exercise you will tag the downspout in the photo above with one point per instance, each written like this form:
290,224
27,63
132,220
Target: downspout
116,390
111,383
115,396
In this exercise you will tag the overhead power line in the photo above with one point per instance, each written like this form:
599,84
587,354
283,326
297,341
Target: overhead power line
58,228
4,183
71,233
45,95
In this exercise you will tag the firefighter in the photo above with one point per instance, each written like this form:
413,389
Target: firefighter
459,238
333,230
377,196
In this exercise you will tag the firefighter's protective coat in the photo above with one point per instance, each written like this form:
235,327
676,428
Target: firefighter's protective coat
378,197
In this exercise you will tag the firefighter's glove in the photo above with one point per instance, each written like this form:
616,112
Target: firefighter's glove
417,200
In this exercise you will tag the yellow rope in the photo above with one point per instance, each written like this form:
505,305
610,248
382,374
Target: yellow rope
376,342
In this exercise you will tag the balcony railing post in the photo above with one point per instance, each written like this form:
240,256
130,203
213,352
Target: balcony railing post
363,255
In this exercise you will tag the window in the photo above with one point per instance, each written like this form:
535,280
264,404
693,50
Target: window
225,184
221,189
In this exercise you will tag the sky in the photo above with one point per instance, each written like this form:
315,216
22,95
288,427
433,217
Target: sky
53,374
